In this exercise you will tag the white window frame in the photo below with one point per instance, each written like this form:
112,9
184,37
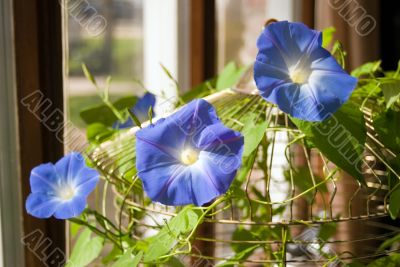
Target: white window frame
166,34
11,248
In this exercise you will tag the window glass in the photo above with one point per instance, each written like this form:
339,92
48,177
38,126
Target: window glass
128,40
107,36
241,21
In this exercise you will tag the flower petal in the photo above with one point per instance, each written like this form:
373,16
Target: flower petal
314,85
41,205
293,40
44,179
332,90
218,139
86,181
269,53
71,208
191,186
170,135
182,186
321,59
166,179
220,169
157,179
143,105
140,109
269,77
127,124
282,95
69,166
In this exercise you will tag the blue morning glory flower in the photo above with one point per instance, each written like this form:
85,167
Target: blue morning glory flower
294,71
61,189
140,109
189,157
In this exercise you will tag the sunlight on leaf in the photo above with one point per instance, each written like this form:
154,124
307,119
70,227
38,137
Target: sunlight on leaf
392,260
387,126
253,133
128,259
86,250
391,91
327,36
88,75
103,114
340,138
367,69
168,236
229,76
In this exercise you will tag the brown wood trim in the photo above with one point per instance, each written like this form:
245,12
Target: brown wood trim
307,15
203,66
39,67
202,40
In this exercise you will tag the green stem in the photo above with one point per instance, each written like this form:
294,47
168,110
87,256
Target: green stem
209,208
122,206
113,109
98,232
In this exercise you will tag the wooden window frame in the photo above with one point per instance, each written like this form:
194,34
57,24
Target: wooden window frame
39,68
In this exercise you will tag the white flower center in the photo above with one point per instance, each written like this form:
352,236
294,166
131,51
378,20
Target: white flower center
298,76
189,156
66,192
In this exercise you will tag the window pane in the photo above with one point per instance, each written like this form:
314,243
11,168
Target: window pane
241,21
107,36
127,40
114,47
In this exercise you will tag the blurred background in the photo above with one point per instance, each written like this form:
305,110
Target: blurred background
196,40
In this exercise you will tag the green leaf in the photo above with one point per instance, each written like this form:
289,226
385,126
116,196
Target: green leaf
97,133
394,204
387,126
247,166
229,76
199,91
341,138
391,91
125,102
389,242
86,250
169,75
239,257
303,180
327,230
107,88
327,36
174,262
134,118
339,54
166,239
74,229
392,260
103,114
150,114
367,69
128,259
355,263
241,234
370,90
88,75
253,134
112,255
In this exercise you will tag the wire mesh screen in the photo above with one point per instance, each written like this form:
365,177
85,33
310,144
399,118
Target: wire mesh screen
302,210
